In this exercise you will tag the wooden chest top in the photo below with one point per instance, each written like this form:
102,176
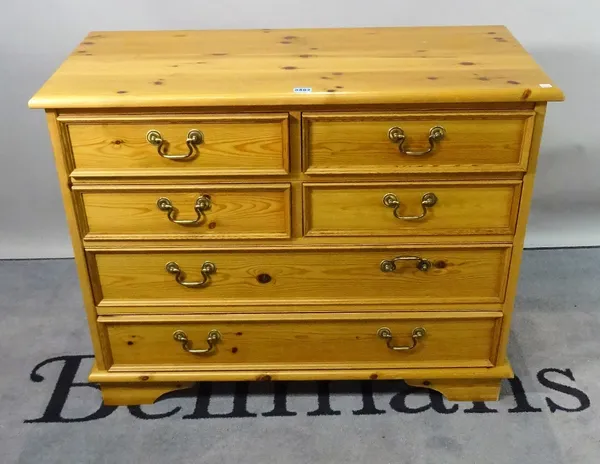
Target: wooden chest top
299,67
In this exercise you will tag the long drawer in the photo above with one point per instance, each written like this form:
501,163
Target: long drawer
410,208
195,212
203,145
295,276
358,341
385,143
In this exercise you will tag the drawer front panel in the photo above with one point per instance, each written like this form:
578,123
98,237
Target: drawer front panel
464,341
361,144
229,145
191,212
295,277
457,208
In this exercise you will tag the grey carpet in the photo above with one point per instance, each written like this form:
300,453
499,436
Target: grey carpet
548,416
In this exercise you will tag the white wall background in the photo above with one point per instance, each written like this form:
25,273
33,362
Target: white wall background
36,36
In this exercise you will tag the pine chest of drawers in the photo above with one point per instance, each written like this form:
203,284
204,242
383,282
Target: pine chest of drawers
298,204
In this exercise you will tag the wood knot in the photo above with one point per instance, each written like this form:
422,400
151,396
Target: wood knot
263,278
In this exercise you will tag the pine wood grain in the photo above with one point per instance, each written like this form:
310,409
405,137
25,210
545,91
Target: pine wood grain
462,389
138,393
130,212
304,277
130,308
307,242
231,145
457,384
462,208
519,237
263,67
459,341
358,143
60,147
116,376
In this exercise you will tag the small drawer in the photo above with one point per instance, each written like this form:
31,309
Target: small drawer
280,276
394,209
194,212
194,145
387,143
344,342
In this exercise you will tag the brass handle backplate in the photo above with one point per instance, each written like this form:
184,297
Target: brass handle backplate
208,268
214,337
194,138
436,134
427,201
389,265
386,334
202,204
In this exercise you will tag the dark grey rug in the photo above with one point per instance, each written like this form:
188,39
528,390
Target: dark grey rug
549,414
